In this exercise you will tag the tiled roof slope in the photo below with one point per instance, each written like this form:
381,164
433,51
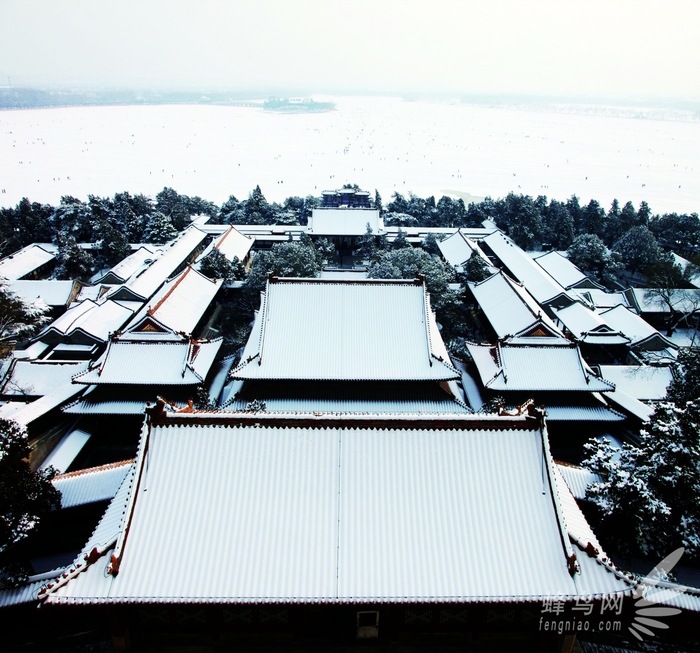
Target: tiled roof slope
153,363
511,310
521,266
345,515
361,331
504,367
179,305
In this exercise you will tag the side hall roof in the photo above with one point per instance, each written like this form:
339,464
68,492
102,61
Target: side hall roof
369,330
129,266
87,322
511,310
142,286
526,367
232,243
458,248
26,260
343,515
178,306
52,292
588,326
640,333
564,272
539,284
127,362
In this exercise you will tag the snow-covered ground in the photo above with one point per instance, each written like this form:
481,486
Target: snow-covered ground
383,143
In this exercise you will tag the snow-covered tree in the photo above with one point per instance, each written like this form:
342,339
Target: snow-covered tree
589,253
637,248
74,262
26,497
290,259
649,499
159,229
216,266
19,320
410,263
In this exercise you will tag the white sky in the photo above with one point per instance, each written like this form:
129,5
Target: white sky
641,47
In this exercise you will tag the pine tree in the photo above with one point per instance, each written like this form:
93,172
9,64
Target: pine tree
649,499
26,497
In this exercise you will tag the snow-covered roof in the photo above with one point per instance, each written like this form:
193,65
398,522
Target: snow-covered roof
518,367
52,292
630,405
91,485
343,515
539,284
178,306
578,479
588,326
66,450
36,409
599,299
87,323
142,286
638,330
232,243
563,271
344,222
153,363
391,397
694,277
644,382
125,399
39,378
127,267
27,260
458,248
511,310
327,330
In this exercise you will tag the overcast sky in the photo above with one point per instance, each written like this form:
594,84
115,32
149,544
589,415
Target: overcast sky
640,47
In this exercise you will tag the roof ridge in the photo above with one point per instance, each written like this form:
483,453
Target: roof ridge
92,470
152,310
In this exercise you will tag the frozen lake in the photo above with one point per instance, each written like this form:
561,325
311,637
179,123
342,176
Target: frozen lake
383,143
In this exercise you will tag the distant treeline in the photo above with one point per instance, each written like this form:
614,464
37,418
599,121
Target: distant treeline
31,98
533,223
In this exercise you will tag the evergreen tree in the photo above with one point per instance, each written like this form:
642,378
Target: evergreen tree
18,320
216,266
159,229
74,262
649,499
26,498
637,249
